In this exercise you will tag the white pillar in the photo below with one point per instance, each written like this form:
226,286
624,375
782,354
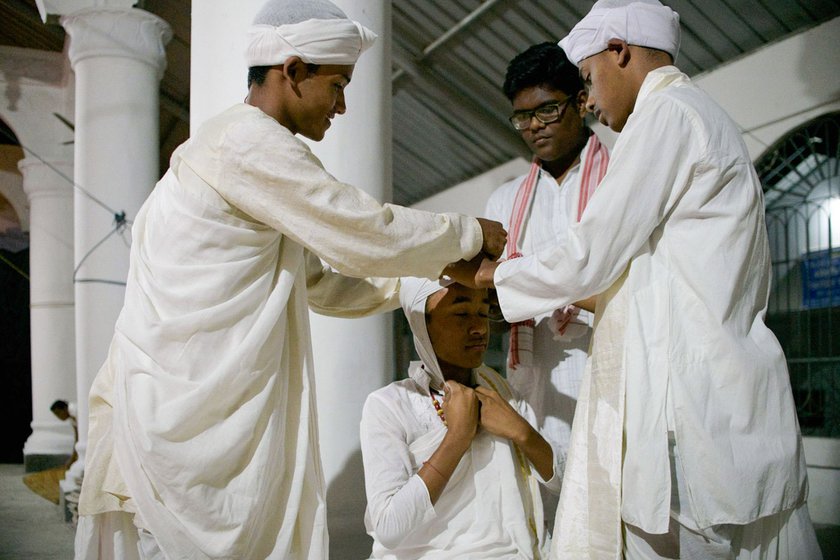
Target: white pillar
217,56
354,357
51,303
118,57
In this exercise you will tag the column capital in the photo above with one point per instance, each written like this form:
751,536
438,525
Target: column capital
119,33
46,177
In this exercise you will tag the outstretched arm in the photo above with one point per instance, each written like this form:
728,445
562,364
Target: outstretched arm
333,294
274,178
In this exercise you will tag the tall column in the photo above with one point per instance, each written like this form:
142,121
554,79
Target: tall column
357,150
51,302
217,56
118,57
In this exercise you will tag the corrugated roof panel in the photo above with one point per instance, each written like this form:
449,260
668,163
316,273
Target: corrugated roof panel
449,114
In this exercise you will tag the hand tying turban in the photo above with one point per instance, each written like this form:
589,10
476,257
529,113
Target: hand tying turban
316,31
643,23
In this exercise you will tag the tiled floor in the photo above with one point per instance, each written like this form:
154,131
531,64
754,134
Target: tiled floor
32,528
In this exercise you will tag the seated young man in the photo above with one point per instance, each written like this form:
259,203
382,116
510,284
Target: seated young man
452,461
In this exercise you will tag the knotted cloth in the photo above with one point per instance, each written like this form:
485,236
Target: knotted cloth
316,31
643,23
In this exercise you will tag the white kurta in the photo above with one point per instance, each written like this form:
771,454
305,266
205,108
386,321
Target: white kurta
681,210
202,419
552,382
487,505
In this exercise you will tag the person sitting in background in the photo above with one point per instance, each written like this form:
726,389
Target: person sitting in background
63,412
451,456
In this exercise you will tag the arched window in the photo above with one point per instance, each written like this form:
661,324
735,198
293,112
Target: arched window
800,175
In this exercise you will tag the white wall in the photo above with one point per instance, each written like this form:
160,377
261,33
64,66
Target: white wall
780,86
470,197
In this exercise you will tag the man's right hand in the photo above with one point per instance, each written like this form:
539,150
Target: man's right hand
495,238
460,407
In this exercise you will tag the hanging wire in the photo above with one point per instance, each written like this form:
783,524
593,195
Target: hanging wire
69,180
121,224
14,267
119,217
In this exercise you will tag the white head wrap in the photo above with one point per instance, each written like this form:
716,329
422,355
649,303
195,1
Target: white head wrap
413,295
314,30
643,23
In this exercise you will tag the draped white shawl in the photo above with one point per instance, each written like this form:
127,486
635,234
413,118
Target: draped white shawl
202,419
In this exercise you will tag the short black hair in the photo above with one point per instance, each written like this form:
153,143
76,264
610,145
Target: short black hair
59,404
257,74
544,64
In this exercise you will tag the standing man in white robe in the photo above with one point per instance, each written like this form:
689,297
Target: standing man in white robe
548,352
685,442
452,457
203,431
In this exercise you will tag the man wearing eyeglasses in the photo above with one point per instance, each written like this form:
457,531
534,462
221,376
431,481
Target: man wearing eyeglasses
548,353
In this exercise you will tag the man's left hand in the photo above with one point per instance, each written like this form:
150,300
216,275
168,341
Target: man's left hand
476,273
498,417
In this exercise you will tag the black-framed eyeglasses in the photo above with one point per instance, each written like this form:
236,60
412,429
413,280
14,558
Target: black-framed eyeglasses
546,114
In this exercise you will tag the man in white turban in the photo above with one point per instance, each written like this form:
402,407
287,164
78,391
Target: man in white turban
203,430
685,442
452,457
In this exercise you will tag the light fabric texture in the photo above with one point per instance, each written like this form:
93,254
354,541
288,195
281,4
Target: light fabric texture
115,536
681,210
643,23
489,503
490,508
588,522
202,419
550,384
316,31
414,292
787,535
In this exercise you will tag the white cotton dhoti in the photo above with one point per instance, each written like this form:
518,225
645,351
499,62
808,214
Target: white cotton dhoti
108,536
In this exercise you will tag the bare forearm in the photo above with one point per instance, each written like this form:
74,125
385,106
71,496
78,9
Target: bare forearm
537,450
437,470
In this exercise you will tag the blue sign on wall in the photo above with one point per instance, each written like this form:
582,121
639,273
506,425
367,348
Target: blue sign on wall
821,279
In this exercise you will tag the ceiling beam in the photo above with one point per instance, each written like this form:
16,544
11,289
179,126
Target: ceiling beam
459,27
473,115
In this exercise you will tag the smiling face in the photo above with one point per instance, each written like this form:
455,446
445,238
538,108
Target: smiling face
457,319
611,93
558,140
321,99
302,97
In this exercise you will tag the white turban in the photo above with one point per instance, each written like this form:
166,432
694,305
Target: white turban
643,23
316,31
413,295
